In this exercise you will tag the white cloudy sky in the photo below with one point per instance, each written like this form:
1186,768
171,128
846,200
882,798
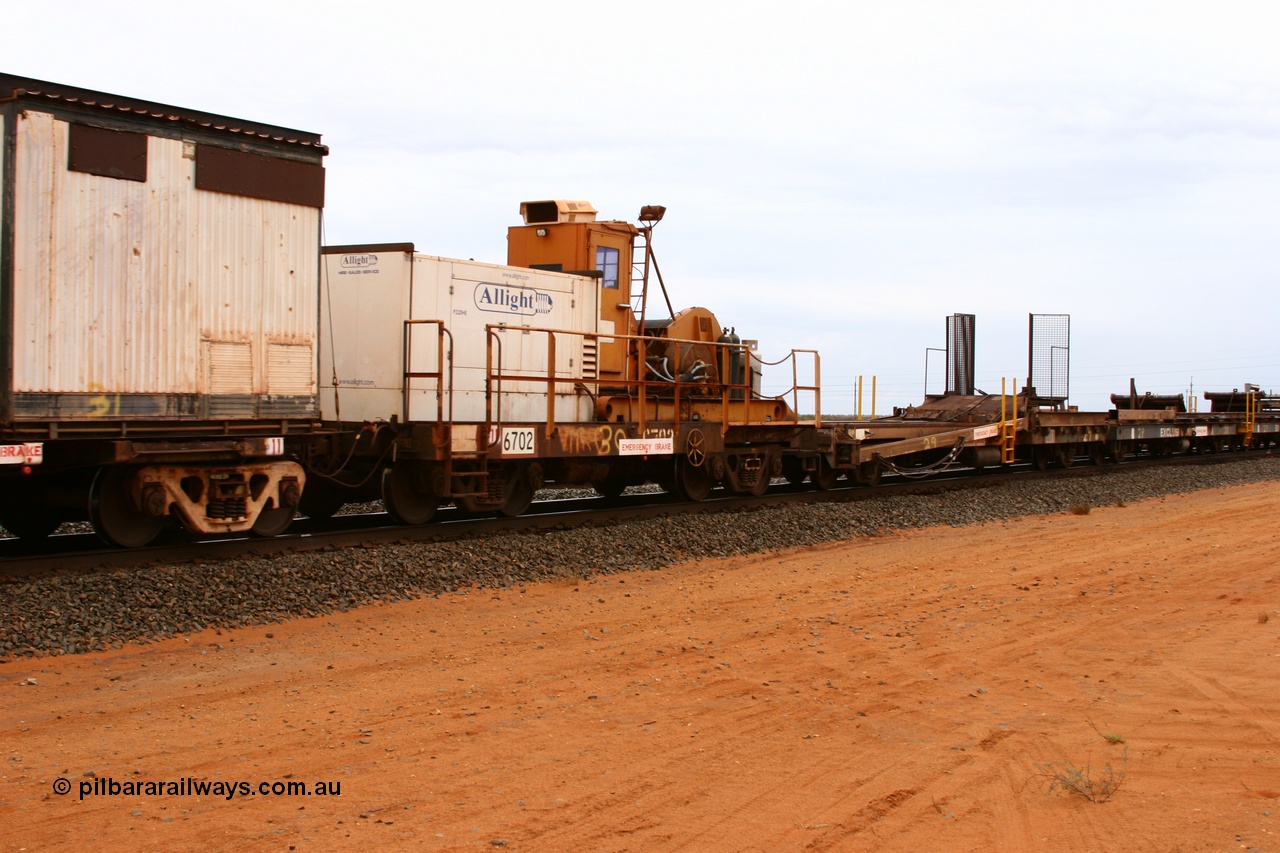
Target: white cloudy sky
838,175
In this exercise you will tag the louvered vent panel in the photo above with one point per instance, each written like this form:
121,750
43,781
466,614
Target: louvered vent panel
590,358
290,370
228,367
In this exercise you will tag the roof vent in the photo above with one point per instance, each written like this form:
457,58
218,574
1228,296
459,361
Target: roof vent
543,212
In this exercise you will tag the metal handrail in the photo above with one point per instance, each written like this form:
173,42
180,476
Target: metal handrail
491,337
816,388
495,377
440,375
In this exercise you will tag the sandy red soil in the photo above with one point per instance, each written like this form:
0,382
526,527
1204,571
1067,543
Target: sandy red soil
917,691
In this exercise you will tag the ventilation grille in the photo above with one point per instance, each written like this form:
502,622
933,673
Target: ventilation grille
290,370
590,358
228,367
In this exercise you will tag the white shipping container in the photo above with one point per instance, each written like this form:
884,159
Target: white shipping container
154,297
369,293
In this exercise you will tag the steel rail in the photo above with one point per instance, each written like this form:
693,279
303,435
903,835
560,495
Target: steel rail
84,552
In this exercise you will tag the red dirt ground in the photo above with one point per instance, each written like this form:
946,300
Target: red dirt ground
915,691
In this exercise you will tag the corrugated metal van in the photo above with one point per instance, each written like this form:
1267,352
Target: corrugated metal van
158,310
156,264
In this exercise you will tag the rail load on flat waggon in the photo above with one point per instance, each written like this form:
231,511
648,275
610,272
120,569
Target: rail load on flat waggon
158,287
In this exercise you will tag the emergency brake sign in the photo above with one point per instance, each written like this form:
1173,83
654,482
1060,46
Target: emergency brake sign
22,454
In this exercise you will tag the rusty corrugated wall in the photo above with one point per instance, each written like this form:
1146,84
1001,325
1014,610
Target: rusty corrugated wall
155,287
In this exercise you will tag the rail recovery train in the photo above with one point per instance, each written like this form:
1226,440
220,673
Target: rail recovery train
177,349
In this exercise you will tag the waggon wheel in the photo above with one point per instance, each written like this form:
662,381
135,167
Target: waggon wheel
273,522
116,519
473,505
1097,453
611,486
28,522
824,477
695,448
319,502
1117,451
793,470
519,493
408,500
1041,458
693,482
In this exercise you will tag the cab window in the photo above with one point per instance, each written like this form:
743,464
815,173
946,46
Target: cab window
607,263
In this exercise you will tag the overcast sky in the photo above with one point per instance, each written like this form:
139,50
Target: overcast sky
839,176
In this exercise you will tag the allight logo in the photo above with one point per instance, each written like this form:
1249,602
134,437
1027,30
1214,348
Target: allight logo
512,299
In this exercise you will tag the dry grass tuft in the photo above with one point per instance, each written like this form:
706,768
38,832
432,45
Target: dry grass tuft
1081,781
1080,509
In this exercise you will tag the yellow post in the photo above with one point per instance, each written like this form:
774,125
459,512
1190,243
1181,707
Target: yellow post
1008,422
1250,416
817,390
859,412
873,397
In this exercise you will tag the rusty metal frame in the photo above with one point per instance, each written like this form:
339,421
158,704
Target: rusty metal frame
494,378
440,375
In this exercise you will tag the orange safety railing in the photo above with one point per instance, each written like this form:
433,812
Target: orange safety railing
645,387
443,375
796,387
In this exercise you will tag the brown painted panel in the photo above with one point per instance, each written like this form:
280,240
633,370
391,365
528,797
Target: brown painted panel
109,153
259,176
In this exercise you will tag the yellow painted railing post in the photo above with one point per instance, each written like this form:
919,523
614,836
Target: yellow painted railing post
1008,422
1250,416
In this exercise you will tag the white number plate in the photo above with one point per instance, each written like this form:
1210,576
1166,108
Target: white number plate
518,441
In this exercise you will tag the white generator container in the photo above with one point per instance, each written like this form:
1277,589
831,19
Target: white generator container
384,306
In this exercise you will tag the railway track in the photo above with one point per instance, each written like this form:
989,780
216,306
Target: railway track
99,600
85,552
